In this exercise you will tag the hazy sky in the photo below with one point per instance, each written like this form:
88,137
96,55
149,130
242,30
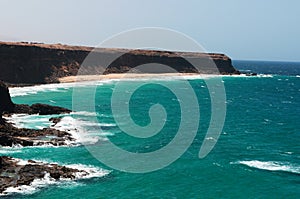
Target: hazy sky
252,30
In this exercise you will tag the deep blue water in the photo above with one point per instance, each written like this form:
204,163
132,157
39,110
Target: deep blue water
268,67
256,156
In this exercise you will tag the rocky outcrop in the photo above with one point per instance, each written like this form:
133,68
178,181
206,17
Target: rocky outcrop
41,109
6,103
15,174
7,106
10,135
34,63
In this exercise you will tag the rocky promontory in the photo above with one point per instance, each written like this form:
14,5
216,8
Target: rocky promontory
10,135
36,63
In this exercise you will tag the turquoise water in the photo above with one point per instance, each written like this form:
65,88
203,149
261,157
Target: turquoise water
256,156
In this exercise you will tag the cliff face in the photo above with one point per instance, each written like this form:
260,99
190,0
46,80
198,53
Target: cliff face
28,63
5,101
32,63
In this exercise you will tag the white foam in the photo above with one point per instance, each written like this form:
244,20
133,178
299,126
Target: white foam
79,130
264,75
31,90
272,166
33,187
64,87
250,76
88,171
61,87
9,150
84,113
77,127
34,121
92,171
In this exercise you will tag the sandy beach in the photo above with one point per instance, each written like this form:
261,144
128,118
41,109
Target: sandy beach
82,78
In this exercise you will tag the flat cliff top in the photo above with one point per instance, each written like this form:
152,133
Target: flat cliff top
50,46
64,47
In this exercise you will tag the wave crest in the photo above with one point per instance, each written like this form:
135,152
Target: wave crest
272,166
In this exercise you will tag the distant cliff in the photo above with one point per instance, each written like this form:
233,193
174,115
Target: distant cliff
34,63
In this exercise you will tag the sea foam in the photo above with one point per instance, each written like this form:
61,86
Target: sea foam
84,130
61,87
272,166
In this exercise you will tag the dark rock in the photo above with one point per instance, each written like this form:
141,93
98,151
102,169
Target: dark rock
12,174
5,104
55,120
10,135
41,109
8,140
251,74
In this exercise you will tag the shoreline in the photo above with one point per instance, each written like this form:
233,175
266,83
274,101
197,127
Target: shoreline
129,76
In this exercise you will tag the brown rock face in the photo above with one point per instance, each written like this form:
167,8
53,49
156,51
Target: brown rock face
30,63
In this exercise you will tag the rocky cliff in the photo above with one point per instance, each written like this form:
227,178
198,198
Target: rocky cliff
34,63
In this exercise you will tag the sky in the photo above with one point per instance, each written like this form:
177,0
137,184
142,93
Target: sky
242,29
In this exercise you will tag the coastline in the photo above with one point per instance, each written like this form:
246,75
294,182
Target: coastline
47,63
130,76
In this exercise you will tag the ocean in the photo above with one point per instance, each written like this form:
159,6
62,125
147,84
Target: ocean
256,156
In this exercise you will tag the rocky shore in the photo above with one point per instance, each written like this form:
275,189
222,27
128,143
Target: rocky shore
10,135
15,172
34,63
25,63
18,175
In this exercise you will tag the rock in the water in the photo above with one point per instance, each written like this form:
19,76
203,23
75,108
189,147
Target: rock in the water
5,101
10,135
14,174
41,109
55,120
6,105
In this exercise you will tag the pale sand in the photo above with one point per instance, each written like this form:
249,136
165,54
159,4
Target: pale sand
81,78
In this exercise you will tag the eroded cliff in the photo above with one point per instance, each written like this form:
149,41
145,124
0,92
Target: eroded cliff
34,63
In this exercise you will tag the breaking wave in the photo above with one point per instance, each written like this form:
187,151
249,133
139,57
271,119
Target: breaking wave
84,131
272,166
61,87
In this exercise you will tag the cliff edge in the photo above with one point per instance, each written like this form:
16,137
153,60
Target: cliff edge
36,63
